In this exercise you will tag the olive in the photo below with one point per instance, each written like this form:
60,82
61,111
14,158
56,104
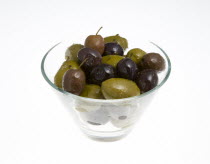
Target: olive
112,59
95,42
117,88
64,67
113,49
101,73
127,68
117,39
74,81
136,55
90,57
152,61
92,91
72,51
147,80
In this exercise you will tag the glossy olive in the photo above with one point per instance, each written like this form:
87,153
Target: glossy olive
72,51
95,42
92,91
112,59
117,39
152,61
136,55
101,73
74,81
90,57
127,68
113,49
117,88
64,67
147,80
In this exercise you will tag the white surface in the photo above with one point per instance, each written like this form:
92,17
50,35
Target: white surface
34,126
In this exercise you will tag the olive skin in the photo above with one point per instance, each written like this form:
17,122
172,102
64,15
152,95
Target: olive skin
152,61
117,39
112,59
113,49
147,80
136,54
118,88
72,51
95,42
90,57
74,81
127,68
92,91
101,73
64,67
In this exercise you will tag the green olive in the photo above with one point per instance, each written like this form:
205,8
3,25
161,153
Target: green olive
117,39
117,88
69,64
92,91
72,51
111,59
136,55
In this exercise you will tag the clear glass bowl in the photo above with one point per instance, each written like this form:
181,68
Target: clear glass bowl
99,119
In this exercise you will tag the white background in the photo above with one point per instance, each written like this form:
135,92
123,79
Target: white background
34,126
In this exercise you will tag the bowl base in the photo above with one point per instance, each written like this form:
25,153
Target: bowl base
106,136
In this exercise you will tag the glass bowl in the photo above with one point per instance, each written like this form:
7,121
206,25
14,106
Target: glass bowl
99,119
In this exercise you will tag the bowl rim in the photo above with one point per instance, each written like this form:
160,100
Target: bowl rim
106,100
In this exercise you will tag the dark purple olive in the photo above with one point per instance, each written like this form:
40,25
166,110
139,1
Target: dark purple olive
152,61
147,80
127,68
101,73
113,49
74,81
90,57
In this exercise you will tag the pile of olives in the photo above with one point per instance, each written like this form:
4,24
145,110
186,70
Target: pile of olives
100,69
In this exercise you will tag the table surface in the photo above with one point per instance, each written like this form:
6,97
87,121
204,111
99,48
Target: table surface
36,128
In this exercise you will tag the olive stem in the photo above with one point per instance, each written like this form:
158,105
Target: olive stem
82,63
99,30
